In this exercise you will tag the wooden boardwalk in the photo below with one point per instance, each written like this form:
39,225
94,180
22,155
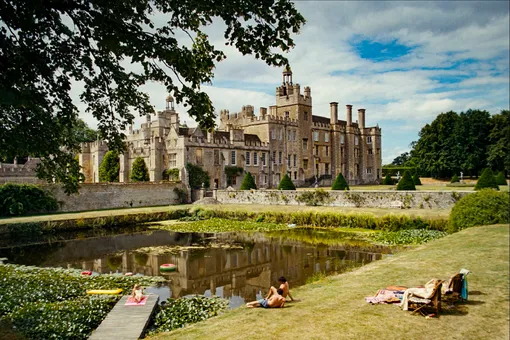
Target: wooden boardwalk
126,322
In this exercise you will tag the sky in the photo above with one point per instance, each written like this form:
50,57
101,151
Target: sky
404,62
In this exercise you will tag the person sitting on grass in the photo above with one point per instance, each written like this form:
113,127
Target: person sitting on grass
275,301
284,285
137,293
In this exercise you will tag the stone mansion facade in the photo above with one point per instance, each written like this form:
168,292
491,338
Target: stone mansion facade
287,138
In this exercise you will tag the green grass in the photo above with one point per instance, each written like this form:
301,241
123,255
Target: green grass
334,307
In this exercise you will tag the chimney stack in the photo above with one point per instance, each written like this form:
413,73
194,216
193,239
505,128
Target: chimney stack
361,118
333,110
349,115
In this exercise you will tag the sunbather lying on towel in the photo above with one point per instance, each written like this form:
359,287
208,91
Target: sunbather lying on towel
275,301
425,293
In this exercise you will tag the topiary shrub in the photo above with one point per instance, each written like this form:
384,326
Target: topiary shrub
486,180
109,168
455,179
139,172
416,179
340,183
388,180
406,182
21,199
500,179
481,208
248,182
286,184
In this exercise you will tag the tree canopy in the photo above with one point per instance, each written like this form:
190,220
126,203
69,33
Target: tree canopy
467,142
110,167
112,48
139,171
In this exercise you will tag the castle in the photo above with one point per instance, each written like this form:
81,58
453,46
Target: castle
286,139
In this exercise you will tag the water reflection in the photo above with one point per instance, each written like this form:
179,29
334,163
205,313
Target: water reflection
235,266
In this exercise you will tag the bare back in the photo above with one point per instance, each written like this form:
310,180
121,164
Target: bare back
276,301
285,287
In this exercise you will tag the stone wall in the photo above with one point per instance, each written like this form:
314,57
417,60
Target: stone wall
94,196
366,199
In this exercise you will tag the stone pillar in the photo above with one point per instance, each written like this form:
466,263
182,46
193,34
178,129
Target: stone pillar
333,110
349,115
361,118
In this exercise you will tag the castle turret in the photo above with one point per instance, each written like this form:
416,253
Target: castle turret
308,92
349,115
333,109
287,75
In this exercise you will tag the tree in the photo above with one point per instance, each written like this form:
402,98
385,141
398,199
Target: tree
486,180
388,180
455,179
109,168
83,133
248,182
416,179
340,183
139,172
406,182
500,179
286,183
402,159
49,46
498,150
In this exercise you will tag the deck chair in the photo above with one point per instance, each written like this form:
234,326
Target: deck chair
419,304
456,289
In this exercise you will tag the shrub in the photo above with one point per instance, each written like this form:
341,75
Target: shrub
197,176
486,180
139,172
286,183
171,174
455,179
406,182
388,180
340,183
21,199
500,179
248,182
416,179
109,168
481,208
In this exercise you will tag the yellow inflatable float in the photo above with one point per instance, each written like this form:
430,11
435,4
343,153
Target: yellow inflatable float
104,291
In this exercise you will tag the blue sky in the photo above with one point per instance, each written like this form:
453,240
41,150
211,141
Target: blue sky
404,62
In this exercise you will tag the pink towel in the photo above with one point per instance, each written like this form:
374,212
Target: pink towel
132,302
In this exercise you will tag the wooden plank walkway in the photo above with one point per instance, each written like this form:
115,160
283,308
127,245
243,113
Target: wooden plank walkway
126,322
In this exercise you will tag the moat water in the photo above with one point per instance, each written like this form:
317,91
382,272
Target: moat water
237,266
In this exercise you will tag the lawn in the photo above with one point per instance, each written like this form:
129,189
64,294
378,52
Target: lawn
334,308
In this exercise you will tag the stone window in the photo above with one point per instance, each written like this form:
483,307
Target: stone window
216,157
294,134
316,136
247,157
326,168
263,159
295,174
172,160
295,160
286,114
316,150
356,140
199,156
255,159
370,152
265,179
378,151
288,161
369,139
280,134
274,157
233,158
356,153
369,171
326,137
273,134
342,139
305,144
305,115
305,163
289,136
327,150
279,157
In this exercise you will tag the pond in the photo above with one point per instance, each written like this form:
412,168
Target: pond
237,266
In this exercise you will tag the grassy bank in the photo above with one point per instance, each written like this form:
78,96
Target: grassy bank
334,308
